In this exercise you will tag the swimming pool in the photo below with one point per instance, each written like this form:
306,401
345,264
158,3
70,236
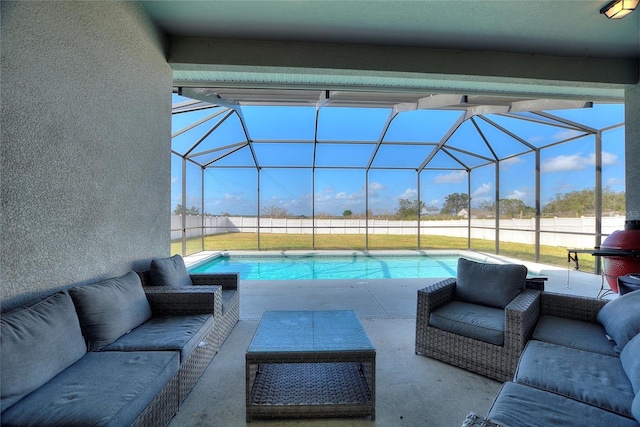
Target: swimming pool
332,267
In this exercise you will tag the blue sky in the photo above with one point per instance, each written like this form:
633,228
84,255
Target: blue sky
283,137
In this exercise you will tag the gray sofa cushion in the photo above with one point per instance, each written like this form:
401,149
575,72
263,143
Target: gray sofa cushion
169,272
573,333
621,318
493,285
178,333
591,378
630,360
38,342
101,389
110,309
470,320
520,405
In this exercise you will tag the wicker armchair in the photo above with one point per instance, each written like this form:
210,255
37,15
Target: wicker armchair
488,359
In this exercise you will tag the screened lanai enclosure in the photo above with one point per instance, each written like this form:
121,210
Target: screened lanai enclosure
325,169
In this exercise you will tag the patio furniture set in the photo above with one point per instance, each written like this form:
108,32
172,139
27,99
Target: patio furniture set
114,353
565,360
128,350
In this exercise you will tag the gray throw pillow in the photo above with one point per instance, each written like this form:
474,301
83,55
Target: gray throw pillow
169,272
493,285
38,343
621,318
110,309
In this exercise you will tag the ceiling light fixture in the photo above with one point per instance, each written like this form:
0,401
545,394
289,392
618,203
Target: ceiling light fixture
619,8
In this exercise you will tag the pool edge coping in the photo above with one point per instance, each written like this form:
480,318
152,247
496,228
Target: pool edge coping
199,258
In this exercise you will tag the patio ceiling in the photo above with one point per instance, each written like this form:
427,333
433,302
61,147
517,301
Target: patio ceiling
531,27
539,48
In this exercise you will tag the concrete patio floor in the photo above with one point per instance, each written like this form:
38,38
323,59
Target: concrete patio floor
411,390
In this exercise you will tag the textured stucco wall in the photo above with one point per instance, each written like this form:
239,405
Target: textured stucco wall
86,100
632,151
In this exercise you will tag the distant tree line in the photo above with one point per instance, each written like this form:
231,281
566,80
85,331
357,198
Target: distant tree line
179,210
510,208
572,204
583,203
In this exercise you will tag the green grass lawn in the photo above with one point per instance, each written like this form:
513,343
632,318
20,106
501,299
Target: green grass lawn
249,241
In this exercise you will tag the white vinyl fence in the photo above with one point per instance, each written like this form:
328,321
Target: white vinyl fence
563,232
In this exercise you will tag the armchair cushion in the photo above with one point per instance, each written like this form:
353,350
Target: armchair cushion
110,309
493,285
169,272
621,318
470,320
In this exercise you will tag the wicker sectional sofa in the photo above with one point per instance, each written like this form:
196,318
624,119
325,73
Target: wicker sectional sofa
113,353
581,367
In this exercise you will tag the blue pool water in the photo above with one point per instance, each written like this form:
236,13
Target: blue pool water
334,267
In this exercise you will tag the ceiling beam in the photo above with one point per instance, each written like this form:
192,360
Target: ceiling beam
464,67
547,104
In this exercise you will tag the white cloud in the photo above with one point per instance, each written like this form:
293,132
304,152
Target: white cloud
342,195
375,186
576,162
609,158
232,197
409,193
326,201
483,189
450,178
564,163
565,134
507,163
612,182
375,190
536,139
516,194
326,190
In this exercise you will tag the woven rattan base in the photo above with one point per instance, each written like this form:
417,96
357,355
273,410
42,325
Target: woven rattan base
287,390
162,408
310,364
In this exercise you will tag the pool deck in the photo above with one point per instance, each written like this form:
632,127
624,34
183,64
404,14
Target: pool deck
376,298
412,390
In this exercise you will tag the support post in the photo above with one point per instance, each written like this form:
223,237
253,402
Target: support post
598,196
632,151
184,206
538,213
497,221
469,209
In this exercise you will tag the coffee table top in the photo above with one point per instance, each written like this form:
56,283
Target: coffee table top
309,331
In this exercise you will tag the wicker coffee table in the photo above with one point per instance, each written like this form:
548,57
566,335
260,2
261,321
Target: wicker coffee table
310,364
